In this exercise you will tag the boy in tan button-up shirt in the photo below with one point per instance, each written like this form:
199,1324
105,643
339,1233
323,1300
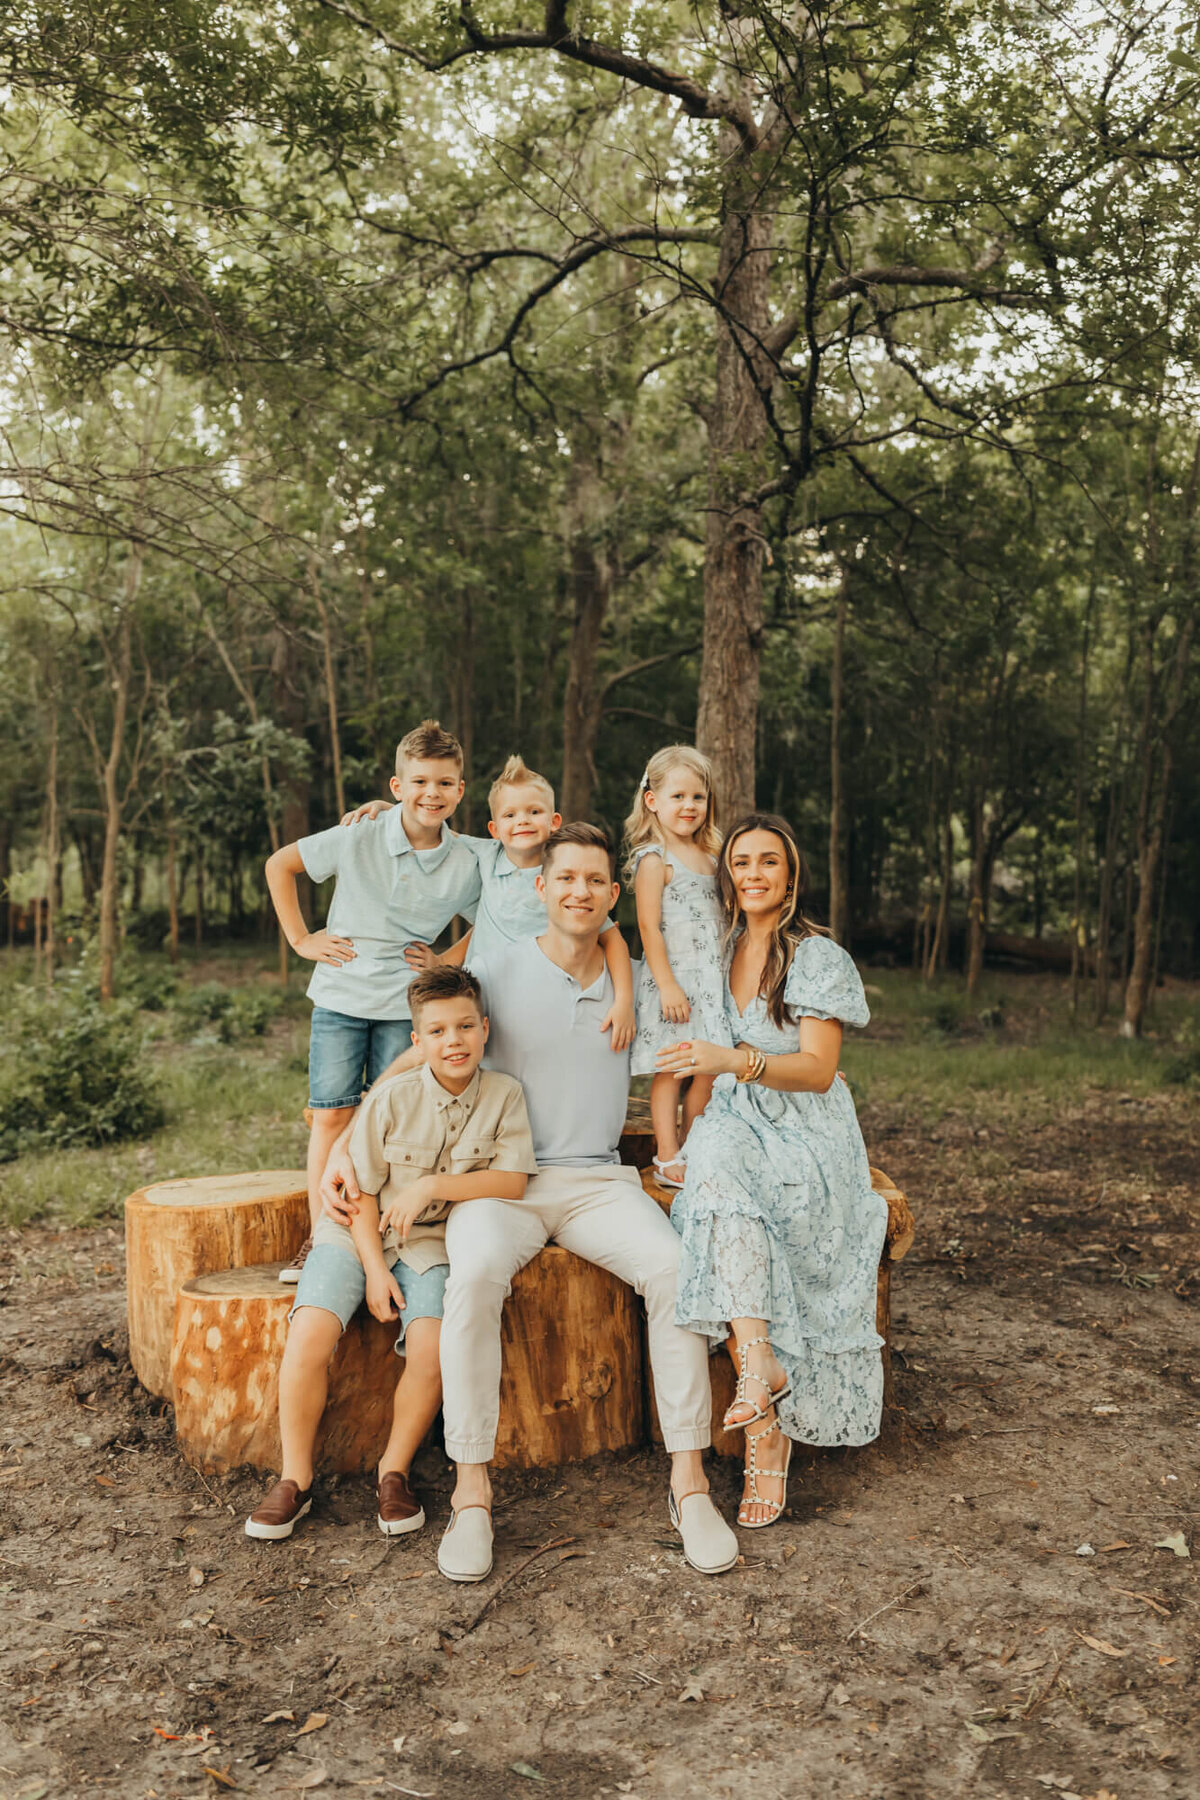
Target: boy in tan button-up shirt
425,1141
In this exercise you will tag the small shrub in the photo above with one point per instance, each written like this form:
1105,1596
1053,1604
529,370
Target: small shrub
234,1013
945,1014
73,1072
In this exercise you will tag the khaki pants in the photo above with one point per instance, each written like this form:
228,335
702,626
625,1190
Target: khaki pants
601,1214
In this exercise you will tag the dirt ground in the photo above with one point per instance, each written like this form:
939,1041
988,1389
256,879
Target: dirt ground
979,1605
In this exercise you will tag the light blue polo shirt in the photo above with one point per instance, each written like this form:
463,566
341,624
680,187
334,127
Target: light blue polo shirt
387,895
545,1030
510,907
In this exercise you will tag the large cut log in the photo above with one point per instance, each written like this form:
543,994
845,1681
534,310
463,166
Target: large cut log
572,1382
178,1229
901,1229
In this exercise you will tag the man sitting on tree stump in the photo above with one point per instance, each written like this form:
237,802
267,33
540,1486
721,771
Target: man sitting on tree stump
547,999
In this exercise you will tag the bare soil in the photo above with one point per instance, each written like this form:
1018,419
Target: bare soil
976,1605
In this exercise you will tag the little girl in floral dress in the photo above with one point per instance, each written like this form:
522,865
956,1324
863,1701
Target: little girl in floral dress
672,841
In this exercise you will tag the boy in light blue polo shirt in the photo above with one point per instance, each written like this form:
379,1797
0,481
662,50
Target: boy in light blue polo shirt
401,878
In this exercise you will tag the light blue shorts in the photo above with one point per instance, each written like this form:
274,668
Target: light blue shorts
347,1055
333,1279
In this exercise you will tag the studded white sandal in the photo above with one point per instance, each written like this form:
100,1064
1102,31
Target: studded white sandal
754,1498
741,1398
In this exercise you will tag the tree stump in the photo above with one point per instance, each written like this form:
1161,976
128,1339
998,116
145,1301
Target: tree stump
178,1229
901,1229
571,1386
230,1330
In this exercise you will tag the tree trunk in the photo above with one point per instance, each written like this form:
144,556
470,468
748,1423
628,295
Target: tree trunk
734,542
198,922
464,700
172,874
977,904
53,854
590,583
838,919
121,669
1078,926
331,699
939,950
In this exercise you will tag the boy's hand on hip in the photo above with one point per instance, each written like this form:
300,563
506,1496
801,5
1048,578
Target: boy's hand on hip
622,1022
322,947
421,956
371,810
401,1215
339,1190
384,1298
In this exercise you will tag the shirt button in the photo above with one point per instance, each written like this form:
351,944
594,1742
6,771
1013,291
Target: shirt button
441,1168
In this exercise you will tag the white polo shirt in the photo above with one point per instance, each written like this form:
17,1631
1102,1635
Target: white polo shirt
545,1031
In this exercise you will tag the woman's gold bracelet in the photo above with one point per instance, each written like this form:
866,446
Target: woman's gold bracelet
756,1064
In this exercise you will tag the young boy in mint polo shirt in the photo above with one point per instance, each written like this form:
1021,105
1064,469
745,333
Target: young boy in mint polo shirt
401,878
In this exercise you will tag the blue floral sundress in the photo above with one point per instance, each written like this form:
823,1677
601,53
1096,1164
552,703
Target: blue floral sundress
779,1220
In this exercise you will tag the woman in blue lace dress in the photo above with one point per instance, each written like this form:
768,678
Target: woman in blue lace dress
782,1230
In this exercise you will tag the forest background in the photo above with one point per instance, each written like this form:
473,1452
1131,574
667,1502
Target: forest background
816,381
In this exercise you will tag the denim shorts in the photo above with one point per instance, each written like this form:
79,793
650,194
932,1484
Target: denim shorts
346,1055
334,1279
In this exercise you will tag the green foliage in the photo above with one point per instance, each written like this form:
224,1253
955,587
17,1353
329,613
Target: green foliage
234,1013
73,1071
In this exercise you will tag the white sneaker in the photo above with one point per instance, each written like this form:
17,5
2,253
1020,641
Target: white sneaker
708,1543
465,1552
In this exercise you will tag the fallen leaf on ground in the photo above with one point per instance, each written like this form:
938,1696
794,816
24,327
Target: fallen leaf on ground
524,1669
316,1775
1121,1544
840,1695
527,1770
693,1691
221,1775
101,1481
457,1728
1101,1644
283,1713
399,1742
1176,1542
313,1722
1164,1662
977,1732
788,1552
196,1576
1084,1550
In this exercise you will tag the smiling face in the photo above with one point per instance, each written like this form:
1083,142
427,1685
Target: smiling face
522,819
577,885
761,872
451,1034
679,802
428,790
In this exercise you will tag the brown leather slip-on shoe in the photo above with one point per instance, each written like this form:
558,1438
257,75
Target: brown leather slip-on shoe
277,1516
399,1508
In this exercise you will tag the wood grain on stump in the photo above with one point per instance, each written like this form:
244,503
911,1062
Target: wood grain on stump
571,1383
230,1330
901,1229
178,1229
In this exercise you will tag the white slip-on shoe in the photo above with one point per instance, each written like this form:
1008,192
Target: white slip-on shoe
708,1543
465,1552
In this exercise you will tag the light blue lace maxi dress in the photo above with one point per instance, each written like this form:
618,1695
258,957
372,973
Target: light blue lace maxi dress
691,927
779,1220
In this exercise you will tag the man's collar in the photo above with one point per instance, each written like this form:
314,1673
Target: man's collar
442,1097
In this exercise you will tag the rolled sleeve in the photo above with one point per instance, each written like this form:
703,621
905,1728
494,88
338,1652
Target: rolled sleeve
514,1140
367,1141
321,852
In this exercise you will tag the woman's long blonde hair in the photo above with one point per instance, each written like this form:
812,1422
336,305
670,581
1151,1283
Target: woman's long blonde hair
791,927
642,826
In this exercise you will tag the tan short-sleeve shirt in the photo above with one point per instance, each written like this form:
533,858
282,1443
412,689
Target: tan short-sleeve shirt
412,1126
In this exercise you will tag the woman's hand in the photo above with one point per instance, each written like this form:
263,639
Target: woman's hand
384,1298
693,1056
371,810
676,1007
402,1214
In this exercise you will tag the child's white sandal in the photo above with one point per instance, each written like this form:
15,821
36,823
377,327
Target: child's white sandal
662,1164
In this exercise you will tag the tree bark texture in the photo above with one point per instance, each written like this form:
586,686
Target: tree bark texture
838,917
590,587
120,673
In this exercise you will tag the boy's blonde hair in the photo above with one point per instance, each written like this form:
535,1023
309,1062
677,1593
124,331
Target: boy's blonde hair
516,773
642,826
427,742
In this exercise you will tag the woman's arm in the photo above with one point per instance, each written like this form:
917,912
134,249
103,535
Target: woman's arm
648,885
810,1070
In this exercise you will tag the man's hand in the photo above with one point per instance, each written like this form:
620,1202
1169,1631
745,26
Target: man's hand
421,956
622,1022
339,1190
322,947
384,1298
371,810
676,1007
401,1215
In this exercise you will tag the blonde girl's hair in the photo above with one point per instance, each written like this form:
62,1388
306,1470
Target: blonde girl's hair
517,773
791,927
642,826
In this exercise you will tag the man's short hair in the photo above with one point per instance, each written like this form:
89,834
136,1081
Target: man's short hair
581,836
517,773
443,983
427,742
